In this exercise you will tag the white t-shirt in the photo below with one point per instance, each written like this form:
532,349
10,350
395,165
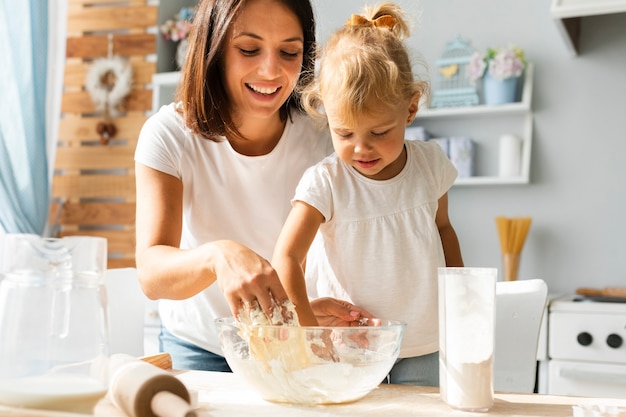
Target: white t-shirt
226,195
379,246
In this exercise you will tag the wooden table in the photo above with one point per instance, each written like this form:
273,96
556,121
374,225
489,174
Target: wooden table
227,395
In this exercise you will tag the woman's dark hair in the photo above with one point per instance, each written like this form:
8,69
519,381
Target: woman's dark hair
205,104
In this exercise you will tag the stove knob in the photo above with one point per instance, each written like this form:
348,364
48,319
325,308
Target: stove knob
584,338
614,340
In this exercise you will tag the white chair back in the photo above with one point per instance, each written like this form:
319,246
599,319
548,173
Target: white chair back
127,309
520,306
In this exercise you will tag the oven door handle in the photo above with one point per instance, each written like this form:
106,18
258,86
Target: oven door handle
593,376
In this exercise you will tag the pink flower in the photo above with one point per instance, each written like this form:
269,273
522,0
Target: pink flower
506,64
500,63
178,28
476,67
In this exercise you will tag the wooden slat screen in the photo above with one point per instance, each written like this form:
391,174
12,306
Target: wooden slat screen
93,189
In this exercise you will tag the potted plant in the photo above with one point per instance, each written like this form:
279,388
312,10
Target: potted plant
499,69
177,29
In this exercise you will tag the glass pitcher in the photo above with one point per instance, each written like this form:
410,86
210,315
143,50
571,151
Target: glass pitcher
54,341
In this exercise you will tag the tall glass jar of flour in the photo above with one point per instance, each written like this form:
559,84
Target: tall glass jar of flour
467,298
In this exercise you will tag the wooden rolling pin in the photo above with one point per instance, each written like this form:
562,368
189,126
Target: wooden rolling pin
141,389
619,292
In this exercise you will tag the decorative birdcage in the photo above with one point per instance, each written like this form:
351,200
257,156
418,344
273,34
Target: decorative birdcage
454,88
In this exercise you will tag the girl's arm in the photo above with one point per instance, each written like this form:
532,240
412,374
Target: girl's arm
449,239
290,253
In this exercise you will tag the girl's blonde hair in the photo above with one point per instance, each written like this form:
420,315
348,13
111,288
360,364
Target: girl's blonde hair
364,64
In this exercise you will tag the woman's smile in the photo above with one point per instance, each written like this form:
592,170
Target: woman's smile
264,91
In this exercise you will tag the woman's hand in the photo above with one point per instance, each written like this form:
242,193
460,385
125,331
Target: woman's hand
246,278
333,312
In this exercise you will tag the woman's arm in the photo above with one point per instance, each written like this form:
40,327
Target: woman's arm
449,239
165,271
290,253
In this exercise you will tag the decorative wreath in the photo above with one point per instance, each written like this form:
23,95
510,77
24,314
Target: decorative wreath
108,82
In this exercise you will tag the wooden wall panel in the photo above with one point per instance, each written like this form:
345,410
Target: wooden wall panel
79,187
98,46
80,102
94,19
75,73
93,190
94,157
75,130
95,213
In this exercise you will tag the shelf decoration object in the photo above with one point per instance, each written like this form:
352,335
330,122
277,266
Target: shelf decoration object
108,82
500,70
453,88
461,151
510,155
512,233
177,30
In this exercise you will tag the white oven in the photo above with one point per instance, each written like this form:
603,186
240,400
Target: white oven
587,347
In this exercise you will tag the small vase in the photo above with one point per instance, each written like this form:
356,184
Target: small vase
181,53
499,91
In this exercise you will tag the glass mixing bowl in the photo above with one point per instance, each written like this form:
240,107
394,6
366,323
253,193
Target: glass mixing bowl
311,365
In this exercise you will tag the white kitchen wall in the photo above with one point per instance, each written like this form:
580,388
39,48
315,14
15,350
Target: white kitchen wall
577,193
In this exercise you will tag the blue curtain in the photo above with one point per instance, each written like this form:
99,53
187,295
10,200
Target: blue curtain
24,185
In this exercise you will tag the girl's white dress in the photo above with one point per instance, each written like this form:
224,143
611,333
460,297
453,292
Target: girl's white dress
379,246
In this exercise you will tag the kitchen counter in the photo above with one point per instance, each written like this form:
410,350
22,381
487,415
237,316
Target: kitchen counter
226,395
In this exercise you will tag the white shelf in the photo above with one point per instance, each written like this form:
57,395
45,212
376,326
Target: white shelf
485,180
473,111
520,111
578,8
567,16
163,88
166,78
518,108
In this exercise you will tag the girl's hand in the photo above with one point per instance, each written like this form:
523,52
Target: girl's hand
246,278
333,312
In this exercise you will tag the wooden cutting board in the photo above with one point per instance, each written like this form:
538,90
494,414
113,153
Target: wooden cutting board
609,292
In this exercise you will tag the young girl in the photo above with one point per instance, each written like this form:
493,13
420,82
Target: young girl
380,202
215,172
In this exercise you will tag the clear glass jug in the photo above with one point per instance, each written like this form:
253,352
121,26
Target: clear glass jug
54,341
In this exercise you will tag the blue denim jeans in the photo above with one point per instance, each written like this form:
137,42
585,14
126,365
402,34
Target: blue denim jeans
419,370
187,356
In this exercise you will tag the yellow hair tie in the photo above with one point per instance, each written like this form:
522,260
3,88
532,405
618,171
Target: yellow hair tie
385,21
